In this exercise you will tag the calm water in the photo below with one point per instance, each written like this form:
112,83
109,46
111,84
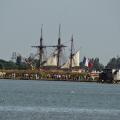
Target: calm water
50,100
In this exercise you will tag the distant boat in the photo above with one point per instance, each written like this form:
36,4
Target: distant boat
52,61
55,59
72,62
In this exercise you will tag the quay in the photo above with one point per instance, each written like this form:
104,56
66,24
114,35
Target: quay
47,75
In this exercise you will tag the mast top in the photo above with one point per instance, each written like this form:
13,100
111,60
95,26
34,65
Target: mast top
59,31
72,38
41,32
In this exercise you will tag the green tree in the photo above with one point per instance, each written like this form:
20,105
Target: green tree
97,65
114,63
94,64
11,65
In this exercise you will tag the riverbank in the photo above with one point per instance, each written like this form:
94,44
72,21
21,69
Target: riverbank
55,75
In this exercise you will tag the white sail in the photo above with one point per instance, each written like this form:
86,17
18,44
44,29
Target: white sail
51,61
75,61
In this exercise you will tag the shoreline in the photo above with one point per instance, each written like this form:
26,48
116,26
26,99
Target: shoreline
82,81
47,75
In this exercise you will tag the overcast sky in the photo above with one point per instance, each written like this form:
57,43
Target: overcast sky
95,25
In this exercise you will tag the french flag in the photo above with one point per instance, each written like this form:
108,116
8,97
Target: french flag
88,63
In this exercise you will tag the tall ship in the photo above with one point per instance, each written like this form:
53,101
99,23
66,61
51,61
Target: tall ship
55,58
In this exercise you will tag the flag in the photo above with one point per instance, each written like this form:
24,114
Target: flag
87,62
90,64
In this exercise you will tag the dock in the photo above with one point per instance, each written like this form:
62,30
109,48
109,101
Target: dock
47,75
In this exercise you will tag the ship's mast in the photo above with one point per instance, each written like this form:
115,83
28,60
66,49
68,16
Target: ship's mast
41,47
59,48
71,52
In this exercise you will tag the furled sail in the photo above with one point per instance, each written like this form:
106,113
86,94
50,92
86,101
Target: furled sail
75,61
52,60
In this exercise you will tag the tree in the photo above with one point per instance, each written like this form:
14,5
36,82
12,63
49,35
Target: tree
18,60
97,65
94,64
114,63
1,66
11,65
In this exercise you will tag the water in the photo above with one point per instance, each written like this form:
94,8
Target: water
58,100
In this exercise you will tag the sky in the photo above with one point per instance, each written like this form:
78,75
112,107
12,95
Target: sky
95,25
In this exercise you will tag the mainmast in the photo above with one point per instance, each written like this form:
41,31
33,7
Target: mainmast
41,49
71,52
59,47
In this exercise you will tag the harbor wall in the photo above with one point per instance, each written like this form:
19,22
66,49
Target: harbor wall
47,75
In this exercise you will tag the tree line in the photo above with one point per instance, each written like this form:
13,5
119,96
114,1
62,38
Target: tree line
7,65
94,64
